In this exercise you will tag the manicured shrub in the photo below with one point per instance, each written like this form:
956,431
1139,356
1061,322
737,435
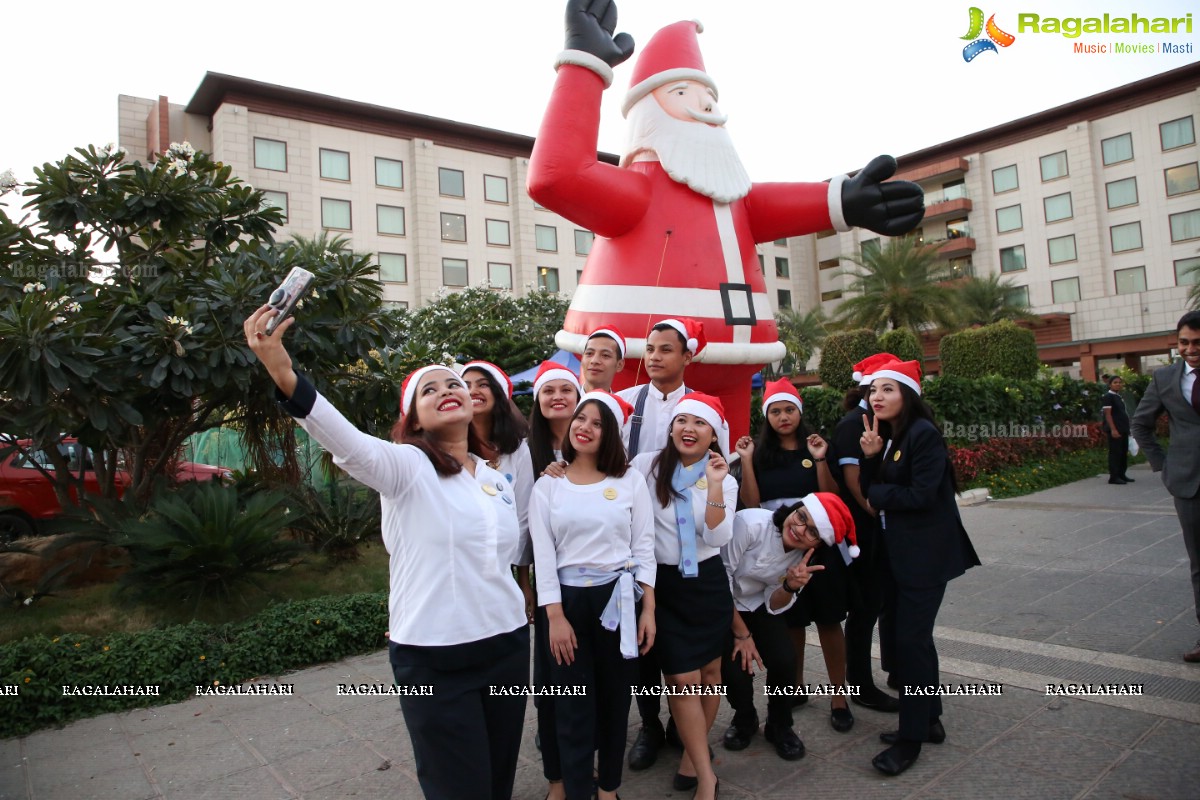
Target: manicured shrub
1003,349
839,354
902,343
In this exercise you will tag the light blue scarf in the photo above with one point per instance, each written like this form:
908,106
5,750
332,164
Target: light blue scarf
681,482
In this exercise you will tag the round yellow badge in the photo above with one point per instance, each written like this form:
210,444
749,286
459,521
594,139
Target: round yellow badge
702,483
488,489
806,463
610,494
897,456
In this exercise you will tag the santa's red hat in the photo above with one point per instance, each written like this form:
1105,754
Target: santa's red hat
905,372
612,332
553,371
691,331
672,54
832,520
709,409
619,408
499,375
864,368
409,387
782,390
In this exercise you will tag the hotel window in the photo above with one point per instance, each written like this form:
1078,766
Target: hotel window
396,305
870,247
1019,296
781,267
1066,290
495,189
1008,219
450,182
1130,281
1185,226
958,229
961,267
828,264
1182,179
1062,249
785,298
454,227
1122,193
548,279
335,214
389,173
276,200
1058,207
1054,166
393,267
954,190
546,238
583,242
781,242
497,233
335,165
270,154
1004,179
500,275
835,294
1012,259
389,220
1126,237
1187,271
1177,133
1117,149
762,264
454,272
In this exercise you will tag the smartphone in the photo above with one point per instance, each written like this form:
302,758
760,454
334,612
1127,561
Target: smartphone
284,298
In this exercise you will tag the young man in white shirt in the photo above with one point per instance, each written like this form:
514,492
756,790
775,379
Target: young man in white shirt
670,347
603,357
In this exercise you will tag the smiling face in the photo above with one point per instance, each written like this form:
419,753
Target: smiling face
483,400
784,417
1189,346
557,399
600,363
441,402
666,357
692,436
798,532
886,400
586,430
689,101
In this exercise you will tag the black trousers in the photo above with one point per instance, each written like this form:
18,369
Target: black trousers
547,720
1118,456
1188,509
595,723
649,678
908,630
865,577
465,738
774,644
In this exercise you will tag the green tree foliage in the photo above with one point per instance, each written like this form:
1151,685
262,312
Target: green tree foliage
841,352
982,301
1192,274
902,343
1002,349
899,285
802,334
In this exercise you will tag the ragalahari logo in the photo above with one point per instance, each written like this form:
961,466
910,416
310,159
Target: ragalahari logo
995,36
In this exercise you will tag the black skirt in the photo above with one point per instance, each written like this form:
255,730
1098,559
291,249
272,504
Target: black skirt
693,616
824,598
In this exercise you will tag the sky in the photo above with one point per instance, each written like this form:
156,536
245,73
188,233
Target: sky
810,90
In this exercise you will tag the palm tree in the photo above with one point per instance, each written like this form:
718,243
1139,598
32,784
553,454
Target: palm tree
899,285
1192,273
802,333
982,301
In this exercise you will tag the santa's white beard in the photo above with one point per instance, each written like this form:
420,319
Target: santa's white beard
699,155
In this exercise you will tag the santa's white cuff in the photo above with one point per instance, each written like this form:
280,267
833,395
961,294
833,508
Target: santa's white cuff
588,61
835,204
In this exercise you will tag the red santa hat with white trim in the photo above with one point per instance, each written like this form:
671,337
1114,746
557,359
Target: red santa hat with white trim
905,372
553,371
692,332
782,390
672,54
709,409
499,375
612,332
864,368
409,387
617,405
832,520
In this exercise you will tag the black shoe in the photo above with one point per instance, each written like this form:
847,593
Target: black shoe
787,744
645,748
1118,481
937,734
841,719
893,682
684,783
673,734
1127,479
897,758
876,699
738,737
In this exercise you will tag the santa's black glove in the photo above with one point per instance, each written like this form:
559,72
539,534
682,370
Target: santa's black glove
590,26
891,208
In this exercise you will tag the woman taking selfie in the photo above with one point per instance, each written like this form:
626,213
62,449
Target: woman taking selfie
906,476
456,616
593,540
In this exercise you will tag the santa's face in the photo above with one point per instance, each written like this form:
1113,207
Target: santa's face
690,101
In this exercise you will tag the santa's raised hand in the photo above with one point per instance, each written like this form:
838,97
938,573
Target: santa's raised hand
871,201
590,26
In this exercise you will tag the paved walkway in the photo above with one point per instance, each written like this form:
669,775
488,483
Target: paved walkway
1086,583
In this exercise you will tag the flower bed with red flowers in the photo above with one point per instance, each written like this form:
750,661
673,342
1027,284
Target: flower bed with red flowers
990,456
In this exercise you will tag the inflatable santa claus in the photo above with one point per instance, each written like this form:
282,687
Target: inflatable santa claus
676,223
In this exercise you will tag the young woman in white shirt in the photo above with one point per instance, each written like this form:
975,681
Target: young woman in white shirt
693,496
456,616
593,540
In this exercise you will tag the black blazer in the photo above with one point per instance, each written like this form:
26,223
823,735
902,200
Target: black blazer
922,531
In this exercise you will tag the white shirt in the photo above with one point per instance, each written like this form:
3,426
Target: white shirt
756,561
1189,379
666,532
517,469
599,525
451,540
656,417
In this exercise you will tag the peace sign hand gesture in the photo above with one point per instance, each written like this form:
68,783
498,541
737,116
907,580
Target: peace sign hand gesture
870,442
801,573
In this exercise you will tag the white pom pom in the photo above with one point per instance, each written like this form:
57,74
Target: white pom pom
855,552
858,376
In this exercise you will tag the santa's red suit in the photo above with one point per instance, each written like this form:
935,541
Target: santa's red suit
663,250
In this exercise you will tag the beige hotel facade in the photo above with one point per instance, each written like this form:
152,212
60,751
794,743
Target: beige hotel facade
1091,210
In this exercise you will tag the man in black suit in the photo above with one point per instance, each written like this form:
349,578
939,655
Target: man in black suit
1175,389
1115,425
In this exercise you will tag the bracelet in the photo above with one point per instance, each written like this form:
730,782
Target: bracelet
715,505
818,460
742,638
789,589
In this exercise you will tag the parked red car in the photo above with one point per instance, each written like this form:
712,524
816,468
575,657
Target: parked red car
27,496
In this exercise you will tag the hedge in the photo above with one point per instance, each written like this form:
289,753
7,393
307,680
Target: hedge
1002,348
902,343
841,351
